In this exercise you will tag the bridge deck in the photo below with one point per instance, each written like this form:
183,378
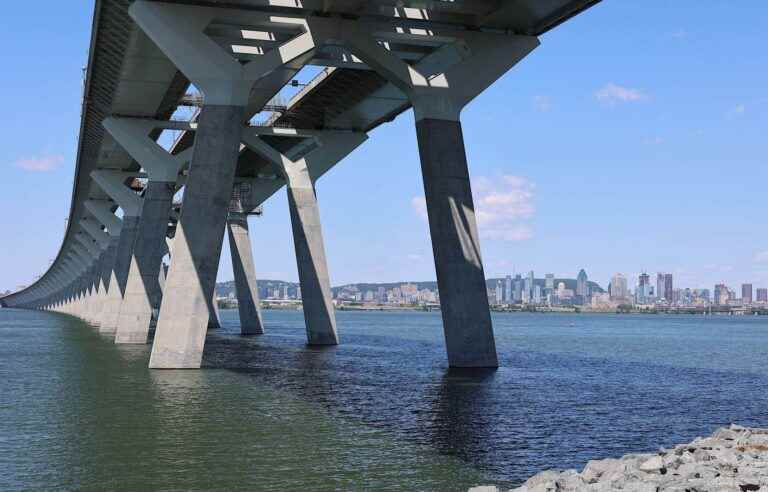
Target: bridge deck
128,76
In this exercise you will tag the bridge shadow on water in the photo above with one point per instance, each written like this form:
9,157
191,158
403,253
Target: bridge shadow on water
381,408
539,410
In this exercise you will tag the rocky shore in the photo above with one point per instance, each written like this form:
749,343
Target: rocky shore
732,459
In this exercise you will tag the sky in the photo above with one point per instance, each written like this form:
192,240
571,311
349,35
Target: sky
633,139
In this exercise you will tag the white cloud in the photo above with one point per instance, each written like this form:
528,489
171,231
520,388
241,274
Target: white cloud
419,204
502,206
679,34
653,141
611,94
717,268
542,103
737,110
41,164
761,257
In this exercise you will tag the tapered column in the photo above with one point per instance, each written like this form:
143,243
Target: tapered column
187,299
312,265
226,84
118,245
251,322
455,244
214,316
143,293
439,87
300,172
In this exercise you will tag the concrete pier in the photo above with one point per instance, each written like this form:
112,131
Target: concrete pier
106,273
455,244
300,170
125,249
319,314
251,322
187,299
143,292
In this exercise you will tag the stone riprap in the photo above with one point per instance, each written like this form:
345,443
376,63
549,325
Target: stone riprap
732,459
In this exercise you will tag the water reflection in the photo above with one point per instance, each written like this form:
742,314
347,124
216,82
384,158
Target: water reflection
380,411
462,412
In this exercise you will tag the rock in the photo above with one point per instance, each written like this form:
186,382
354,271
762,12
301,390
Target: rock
732,459
653,465
596,468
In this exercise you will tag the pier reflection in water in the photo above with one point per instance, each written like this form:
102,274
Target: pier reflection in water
381,411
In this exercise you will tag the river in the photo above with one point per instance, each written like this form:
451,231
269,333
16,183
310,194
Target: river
379,412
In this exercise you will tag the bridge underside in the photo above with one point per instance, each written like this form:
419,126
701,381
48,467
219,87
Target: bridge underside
192,119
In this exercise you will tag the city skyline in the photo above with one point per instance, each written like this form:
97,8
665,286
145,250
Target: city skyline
628,162
549,290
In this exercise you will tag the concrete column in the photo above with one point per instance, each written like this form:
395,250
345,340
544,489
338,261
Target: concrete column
226,84
108,302
214,318
189,288
315,282
251,322
143,293
455,244
439,87
102,210
300,172
125,250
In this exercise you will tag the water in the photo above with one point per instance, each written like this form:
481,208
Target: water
379,412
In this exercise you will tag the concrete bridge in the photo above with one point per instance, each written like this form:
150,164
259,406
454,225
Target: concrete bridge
229,59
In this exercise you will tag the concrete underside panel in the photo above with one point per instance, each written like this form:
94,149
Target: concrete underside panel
455,244
184,313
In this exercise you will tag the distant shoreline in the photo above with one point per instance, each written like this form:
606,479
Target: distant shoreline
539,310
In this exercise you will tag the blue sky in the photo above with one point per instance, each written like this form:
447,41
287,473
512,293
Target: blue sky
633,138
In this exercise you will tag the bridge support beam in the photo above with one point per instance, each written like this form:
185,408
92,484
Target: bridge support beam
248,305
189,287
439,87
112,182
110,301
92,252
227,86
102,240
300,171
143,292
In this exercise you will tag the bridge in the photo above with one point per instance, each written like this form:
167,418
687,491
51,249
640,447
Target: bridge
138,206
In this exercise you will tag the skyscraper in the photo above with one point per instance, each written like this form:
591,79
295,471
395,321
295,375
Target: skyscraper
508,290
762,295
536,294
618,287
518,295
721,295
528,287
668,288
746,294
660,285
499,296
549,282
582,287
644,288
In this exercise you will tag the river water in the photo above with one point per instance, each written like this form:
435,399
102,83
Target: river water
379,412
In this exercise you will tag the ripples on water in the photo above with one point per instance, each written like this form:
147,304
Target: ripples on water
379,412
